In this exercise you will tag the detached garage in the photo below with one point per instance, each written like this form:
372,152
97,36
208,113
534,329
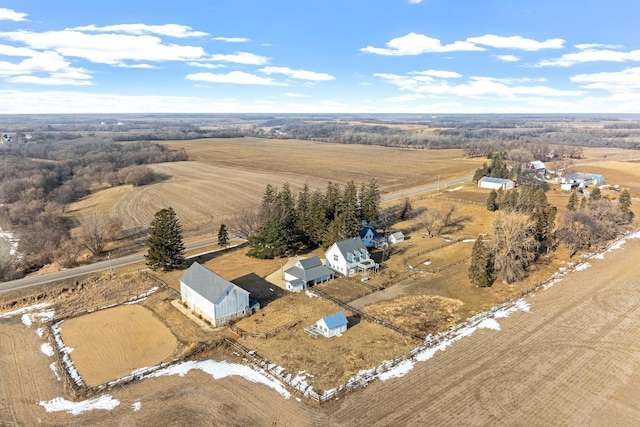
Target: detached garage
213,298
496,183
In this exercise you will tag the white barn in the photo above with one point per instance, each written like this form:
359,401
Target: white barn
349,257
213,298
307,272
333,325
496,183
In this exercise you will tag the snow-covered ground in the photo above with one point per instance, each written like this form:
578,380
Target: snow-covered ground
105,402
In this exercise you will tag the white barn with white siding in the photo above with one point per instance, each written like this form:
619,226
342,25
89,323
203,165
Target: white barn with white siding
213,298
496,183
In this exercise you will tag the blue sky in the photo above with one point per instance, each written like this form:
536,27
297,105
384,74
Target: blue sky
327,56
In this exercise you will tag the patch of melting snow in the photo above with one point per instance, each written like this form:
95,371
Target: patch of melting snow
582,266
427,262
24,310
47,349
26,319
105,402
400,370
136,406
54,368
469,241
224,369
310,294
40,332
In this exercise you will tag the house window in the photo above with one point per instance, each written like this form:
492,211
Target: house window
335,257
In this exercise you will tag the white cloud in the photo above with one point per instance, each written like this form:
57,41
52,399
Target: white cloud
240,58
415,1
171,30
438,73
206,65
8,50
626,81
408,97
596,45
295,95
234,77
510,80
110,49
417,44
11,15
47,68
232,39
508,58
297,74
591,55
139,66
53,80
516,42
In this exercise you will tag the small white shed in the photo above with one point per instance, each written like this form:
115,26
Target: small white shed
396,237
213,298
333,325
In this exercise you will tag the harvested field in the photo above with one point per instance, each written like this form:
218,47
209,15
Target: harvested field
110,344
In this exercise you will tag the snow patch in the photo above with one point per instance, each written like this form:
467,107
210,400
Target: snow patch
47,349
54,368
224,369
24,310
456,189
400,370
469,241
136,406
58,404
40,332
26,319
310,294
427,262
582,266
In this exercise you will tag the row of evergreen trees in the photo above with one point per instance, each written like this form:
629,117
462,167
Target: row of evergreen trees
497,169
285,223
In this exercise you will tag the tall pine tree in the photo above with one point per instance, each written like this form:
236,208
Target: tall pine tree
166,249
223,236
480,269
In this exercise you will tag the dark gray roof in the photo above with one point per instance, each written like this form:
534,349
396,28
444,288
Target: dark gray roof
307,263
367,227
494,180
350,246
309,274
207,283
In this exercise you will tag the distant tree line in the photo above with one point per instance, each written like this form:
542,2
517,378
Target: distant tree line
286,223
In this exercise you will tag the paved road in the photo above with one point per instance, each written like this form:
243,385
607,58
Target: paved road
132,259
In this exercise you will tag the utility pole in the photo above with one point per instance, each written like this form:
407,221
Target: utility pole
110,266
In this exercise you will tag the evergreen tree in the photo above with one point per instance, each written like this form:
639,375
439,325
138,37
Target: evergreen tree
223,236
348,211
318,218
370,201
166,249
624,203
572,205
491,201
303,215
583,203
270,243
480,269
331,200
595,195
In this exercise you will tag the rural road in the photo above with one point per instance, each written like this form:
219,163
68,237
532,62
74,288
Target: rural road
132,259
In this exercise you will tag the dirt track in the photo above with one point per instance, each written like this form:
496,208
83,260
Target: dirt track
574,359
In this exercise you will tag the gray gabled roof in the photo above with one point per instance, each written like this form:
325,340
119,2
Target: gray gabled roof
494,180
313,269
350,246
207,283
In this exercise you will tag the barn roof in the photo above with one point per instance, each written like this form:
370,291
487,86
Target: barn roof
537,164
397,235
494,180
207,283
335,320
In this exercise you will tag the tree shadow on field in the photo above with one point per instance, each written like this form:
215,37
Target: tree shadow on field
259,288
160,177
215,253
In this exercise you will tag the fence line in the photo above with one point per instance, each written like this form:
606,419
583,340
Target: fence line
239,331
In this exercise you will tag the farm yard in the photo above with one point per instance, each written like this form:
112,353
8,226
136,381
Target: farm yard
502,374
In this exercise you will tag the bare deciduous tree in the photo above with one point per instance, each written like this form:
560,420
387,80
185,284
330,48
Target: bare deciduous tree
513,246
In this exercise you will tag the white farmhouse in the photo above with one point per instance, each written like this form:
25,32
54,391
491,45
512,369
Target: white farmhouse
349,256
307,272
213,298
495,183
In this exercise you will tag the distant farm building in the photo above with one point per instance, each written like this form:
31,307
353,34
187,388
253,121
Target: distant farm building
370,237
536,166
305,273
396,237
349,256
330,326
495,183
213,298
580,180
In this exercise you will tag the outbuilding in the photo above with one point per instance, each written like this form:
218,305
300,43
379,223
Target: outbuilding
213,298
396,237
496,183
305,273
332,325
